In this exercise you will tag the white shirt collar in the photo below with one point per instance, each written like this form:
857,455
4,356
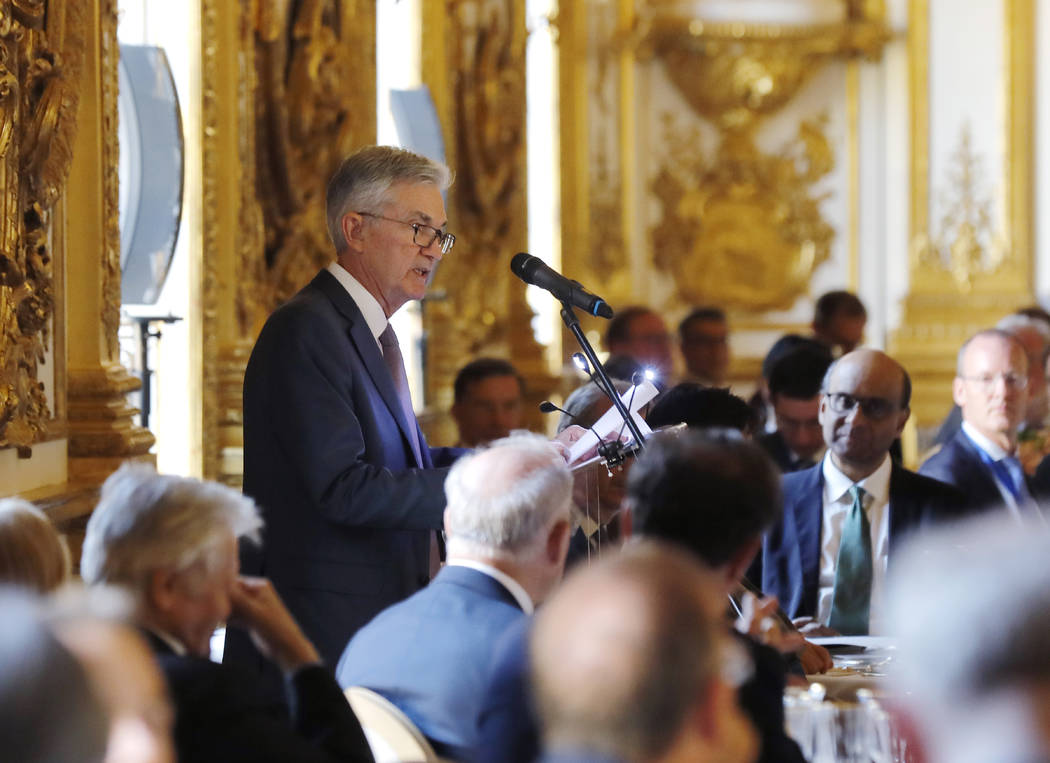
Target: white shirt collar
520,594
876,484
173,643
366,303
992,450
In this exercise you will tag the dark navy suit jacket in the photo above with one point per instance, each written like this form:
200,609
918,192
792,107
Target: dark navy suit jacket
791,549
959,463
431,655
221,714
328,458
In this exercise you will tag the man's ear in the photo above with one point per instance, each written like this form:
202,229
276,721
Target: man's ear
161,590
958,391
626,521
742,559
558,541
904,415
351,225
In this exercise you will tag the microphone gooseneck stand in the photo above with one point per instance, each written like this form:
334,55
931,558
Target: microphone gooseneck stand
568,315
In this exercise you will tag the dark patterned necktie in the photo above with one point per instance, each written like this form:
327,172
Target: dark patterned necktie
396,364
851,597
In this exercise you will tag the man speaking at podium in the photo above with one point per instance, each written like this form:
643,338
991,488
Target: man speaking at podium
351,493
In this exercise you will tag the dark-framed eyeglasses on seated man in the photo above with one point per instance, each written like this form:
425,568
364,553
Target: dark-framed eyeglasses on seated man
873,407
423,235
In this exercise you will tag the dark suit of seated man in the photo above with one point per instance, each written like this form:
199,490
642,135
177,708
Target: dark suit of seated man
990,388
507,523
826,559
172,542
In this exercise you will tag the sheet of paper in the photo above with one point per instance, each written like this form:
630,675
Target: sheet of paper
610,425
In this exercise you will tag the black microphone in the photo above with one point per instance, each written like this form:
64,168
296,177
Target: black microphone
533,270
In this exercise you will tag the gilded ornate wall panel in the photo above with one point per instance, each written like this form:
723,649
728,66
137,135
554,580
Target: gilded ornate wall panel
288,90
41,55
971,259
102,430
713,151
480,93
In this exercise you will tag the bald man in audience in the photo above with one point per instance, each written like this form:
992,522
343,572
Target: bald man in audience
826,559
971,609
507,523
631,662
990,387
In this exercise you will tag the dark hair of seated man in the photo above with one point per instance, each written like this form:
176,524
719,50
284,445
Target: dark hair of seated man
702,407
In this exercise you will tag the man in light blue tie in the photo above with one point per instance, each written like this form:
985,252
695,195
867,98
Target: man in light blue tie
826,560
991,390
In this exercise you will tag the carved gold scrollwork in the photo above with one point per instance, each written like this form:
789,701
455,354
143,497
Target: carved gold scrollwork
39,69
310,78
742,229
487,62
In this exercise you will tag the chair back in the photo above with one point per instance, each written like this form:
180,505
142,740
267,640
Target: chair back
391,735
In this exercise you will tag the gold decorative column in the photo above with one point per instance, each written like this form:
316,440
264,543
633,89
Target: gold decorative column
102,432
287,92
474,63
972,263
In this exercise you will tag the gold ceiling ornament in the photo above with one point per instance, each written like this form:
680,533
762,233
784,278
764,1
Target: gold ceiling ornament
744,229
315,68
966,245
39,70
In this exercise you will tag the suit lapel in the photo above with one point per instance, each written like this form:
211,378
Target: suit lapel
368,351
809,518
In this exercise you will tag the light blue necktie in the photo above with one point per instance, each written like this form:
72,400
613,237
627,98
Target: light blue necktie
851,597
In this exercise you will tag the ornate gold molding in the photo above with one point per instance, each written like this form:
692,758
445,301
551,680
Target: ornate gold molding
41,54
315,103
479,307
966,271
742,228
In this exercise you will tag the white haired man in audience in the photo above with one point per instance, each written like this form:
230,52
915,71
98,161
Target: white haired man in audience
172,543
631,662
972,663
507,524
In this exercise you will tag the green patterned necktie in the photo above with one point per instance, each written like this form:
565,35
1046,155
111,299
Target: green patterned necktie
851,597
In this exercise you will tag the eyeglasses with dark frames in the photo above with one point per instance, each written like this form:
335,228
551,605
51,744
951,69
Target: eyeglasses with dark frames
422,235
875,408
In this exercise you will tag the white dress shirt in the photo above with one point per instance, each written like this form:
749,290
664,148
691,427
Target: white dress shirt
837,503
366,303
520,594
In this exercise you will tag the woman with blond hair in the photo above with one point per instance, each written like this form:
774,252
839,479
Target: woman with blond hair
32,553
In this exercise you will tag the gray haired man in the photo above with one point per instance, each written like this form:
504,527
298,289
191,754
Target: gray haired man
171,542
508,530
